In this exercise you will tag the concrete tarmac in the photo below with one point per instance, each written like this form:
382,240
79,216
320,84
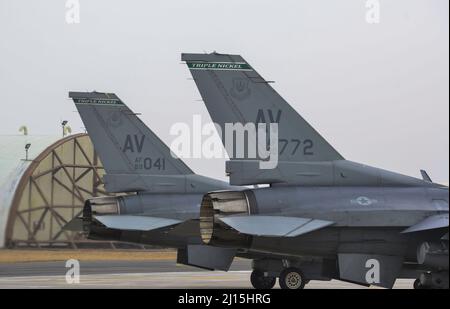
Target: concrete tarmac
158,274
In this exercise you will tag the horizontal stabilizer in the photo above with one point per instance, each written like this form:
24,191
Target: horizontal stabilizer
135,223
274,226
430,223
74,225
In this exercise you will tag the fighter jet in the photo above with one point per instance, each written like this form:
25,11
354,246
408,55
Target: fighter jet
159,196
322,217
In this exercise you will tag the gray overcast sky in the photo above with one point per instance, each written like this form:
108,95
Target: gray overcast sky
378,92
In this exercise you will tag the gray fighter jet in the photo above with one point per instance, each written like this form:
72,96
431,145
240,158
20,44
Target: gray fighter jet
159,201
322,217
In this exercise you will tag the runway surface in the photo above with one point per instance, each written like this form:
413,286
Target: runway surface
158,274
104,267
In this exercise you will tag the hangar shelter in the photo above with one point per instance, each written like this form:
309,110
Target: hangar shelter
45,186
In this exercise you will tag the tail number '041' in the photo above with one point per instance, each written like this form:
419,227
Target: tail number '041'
150,164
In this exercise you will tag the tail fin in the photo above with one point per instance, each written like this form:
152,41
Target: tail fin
125,145
234,92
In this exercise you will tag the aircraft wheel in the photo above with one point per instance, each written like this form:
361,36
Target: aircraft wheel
292,279
418,285
261,282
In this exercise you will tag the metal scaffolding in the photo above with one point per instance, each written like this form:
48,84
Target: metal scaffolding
52,191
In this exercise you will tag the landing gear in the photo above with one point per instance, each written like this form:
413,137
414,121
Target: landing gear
432,280
292,279
418,285
260,281
291,274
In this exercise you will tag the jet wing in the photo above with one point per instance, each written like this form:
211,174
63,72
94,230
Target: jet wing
430,223
135,223
274,226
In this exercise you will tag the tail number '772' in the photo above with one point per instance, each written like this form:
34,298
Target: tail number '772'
292,146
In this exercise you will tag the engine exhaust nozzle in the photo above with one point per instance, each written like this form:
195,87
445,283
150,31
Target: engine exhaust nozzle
217,205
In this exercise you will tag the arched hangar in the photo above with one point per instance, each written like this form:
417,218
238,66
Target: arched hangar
44,182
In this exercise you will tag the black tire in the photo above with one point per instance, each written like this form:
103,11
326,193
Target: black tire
292,279
260,282
418,285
